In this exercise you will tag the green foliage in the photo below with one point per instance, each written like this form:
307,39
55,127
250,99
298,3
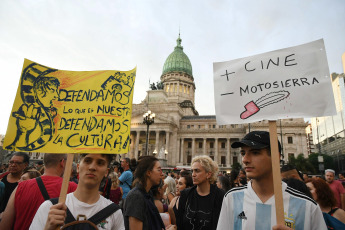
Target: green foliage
236,166
327,161
302,164
310,165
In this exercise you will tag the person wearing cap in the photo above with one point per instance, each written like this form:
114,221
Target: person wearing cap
336,187
253,206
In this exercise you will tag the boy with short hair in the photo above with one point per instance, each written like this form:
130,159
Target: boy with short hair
85,201
253,206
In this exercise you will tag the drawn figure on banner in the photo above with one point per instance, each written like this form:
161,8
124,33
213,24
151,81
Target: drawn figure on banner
252,107
35,117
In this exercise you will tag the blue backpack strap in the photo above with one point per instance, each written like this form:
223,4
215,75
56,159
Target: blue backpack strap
42,188
104,213
69,217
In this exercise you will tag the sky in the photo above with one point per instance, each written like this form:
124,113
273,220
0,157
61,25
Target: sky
120,35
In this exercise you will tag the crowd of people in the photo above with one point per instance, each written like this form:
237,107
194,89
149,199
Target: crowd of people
134,194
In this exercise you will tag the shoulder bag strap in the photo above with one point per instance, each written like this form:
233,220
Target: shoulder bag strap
104,213
42,188
69,218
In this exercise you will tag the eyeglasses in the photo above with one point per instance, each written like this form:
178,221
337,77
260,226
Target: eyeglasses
15,163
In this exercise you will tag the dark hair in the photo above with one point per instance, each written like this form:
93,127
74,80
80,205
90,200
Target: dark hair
225,182
325,196
133,164
287,167
109,157
233,176
188,178
145,163
26,157
298,185
154,189
53,159
33,173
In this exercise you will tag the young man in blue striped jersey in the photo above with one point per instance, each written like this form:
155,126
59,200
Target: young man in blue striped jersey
253,206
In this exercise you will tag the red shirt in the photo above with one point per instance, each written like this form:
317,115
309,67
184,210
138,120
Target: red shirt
29,198
337,189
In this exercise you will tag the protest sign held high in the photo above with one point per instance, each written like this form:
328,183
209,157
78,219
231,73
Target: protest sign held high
287,83
59,111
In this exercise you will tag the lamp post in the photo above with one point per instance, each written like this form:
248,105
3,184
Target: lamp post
149,119
155,153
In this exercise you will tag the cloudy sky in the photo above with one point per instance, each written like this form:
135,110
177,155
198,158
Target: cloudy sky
119,35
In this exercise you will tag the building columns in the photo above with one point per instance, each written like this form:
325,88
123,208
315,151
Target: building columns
182,151
193,148
204,145
216,150
167,143
157,142
228,155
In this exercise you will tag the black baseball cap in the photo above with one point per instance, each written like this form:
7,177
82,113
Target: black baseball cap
255,139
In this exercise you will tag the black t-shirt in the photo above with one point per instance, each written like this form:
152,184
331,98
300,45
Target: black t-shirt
198,213
9,187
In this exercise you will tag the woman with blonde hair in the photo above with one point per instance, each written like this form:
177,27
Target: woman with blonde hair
200,205
170,191
116,192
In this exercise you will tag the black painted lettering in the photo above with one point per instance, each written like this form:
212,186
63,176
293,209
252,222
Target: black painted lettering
248,70
246,90
295,82
289,60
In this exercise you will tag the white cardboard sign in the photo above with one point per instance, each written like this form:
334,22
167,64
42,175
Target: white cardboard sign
287,83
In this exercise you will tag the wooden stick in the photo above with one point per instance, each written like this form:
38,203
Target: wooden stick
277,182
66,178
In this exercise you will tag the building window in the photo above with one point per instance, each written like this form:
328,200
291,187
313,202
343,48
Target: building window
200,145
189,159
188,126
234,160
211,145
290,141
212,157
199,126
223,160
223,145
291,155
214,126
189,145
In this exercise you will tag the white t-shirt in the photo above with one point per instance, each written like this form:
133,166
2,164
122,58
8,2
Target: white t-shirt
76,207
242,209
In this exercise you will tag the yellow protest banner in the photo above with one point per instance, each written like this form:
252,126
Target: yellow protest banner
58,111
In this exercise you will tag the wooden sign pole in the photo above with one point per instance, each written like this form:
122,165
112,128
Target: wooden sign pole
277,182
66,178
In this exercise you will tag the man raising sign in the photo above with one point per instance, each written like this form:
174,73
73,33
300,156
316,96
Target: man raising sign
253,206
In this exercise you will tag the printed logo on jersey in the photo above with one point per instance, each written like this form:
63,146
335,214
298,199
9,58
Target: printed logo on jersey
290,221
242,216
102,224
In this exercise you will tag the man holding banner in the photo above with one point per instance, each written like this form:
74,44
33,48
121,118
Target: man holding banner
85,202
253,206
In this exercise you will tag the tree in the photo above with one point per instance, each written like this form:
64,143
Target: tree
236,166
327,161
302,164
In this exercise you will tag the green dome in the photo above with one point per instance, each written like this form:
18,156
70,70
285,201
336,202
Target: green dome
178,61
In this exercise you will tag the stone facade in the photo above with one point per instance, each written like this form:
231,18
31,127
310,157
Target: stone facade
179,133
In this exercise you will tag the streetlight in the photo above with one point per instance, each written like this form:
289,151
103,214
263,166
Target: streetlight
149,119
155,153
166,153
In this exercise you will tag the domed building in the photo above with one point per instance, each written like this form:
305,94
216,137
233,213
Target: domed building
179,133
